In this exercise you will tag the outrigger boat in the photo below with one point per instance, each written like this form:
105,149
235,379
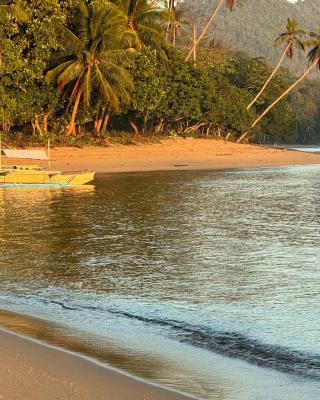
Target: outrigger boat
26,175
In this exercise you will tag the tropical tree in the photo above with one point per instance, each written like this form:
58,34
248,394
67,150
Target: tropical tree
291,39
144,20
176,21
95,59
219,4
314,61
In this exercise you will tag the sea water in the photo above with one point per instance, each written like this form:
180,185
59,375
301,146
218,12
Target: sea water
207,282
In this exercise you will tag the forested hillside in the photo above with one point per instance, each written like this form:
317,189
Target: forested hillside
253,25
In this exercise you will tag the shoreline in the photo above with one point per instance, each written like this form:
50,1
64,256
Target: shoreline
174,154
31,369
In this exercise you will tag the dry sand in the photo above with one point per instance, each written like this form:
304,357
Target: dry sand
31,371
176,154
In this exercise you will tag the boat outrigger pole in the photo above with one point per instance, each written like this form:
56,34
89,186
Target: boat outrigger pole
49,156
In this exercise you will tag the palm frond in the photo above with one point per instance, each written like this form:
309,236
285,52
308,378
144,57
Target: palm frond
71,43
70,73
52,75
106,90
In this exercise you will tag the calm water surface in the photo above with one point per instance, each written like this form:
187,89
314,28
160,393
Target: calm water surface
207,282
304,148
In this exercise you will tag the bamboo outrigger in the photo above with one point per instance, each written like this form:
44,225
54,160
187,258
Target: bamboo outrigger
26,175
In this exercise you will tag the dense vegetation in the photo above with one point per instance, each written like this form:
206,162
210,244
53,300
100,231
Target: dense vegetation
93,69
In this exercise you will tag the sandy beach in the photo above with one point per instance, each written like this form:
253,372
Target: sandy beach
31,371
176,154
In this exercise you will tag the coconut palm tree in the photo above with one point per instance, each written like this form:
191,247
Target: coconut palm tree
314,61
144,20
230,4
94,59
171,5
291,39
176,21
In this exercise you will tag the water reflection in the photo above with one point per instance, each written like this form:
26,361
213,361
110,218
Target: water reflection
218,252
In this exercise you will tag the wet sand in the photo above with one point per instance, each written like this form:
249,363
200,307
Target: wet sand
32,371
176,154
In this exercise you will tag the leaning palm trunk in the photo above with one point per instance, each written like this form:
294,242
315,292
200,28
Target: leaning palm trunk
72,128
194,38
270,77
296,83
105,122
213,15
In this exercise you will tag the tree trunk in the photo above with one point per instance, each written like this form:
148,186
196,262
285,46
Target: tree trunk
96,120
105,122
145,121
36,123
270,77
171,5
296,83
194,39
174,37
135,128
213,15
228,136
243,136
45,122
100,119
72,127
159,127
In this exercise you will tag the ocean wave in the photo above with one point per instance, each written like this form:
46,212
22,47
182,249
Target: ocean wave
227,343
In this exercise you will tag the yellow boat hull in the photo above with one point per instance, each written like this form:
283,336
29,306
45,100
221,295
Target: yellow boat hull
24,177
39,177
73,179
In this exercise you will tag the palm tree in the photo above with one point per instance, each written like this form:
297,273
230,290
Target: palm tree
94,59
171,5
176,20
314,60
291,39
219,4
144,20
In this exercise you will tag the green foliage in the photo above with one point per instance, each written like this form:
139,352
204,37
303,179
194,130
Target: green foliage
149,84
184,96
183,102
110,60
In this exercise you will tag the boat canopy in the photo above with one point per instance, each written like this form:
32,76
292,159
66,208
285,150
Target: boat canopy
28,154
